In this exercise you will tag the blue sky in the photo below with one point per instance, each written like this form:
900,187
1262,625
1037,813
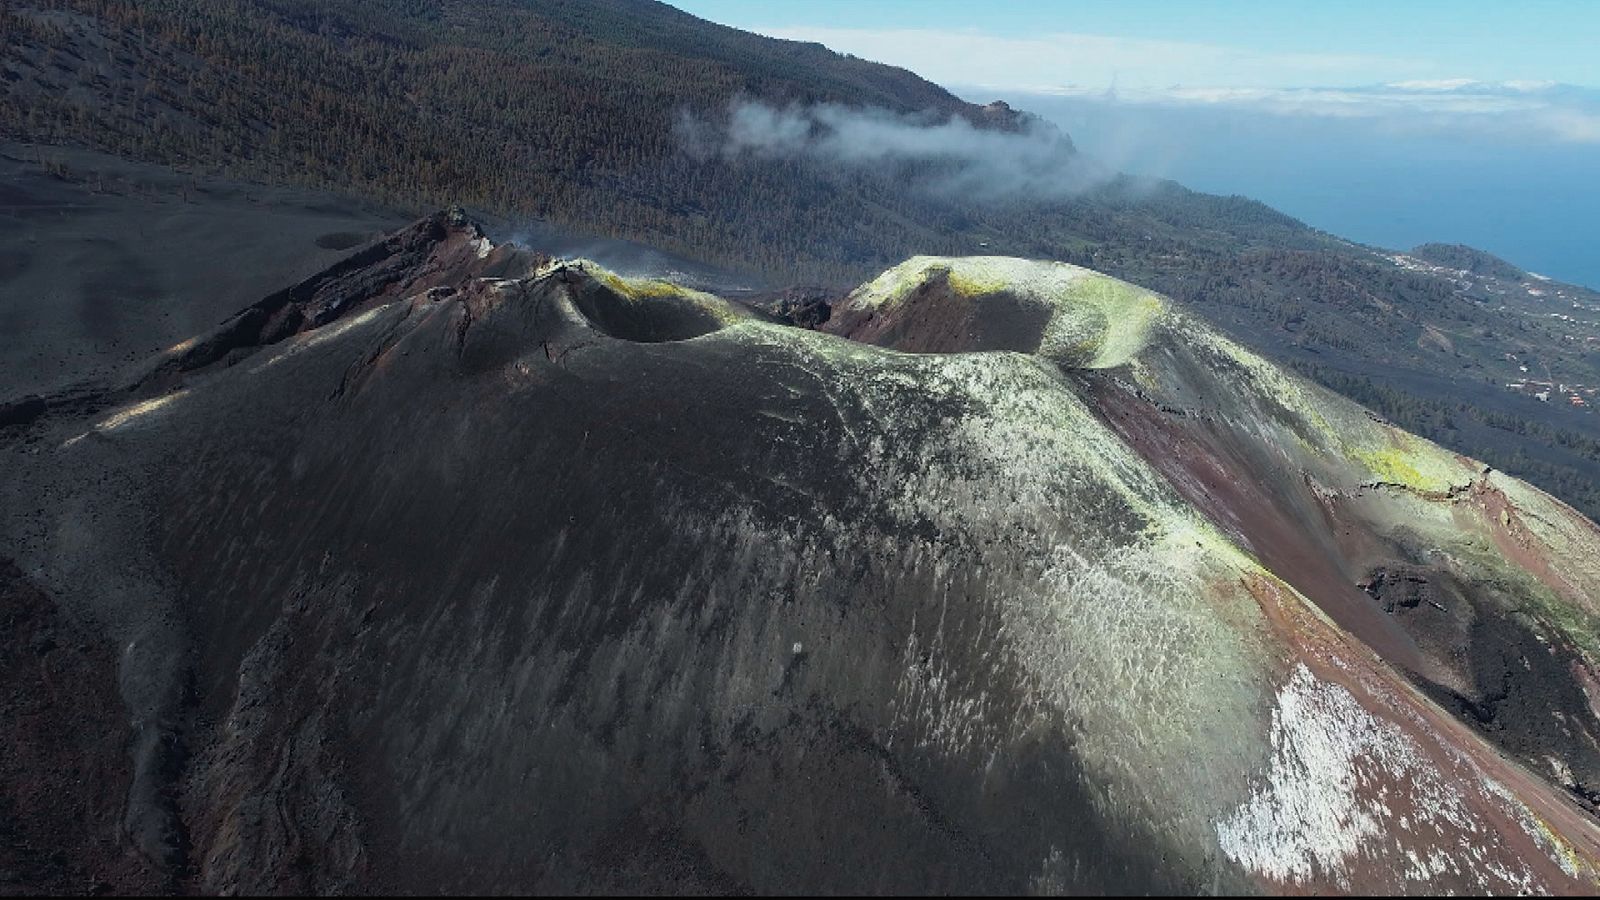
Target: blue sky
1527,71
1148,44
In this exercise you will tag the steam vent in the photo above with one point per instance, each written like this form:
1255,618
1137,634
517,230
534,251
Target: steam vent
458,569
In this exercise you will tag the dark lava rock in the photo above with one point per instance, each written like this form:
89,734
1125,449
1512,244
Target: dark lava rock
64,774
804,307
21,412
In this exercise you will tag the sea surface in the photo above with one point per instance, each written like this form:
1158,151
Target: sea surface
1531,201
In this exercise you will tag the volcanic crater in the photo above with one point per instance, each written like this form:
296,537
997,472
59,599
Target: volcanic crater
460,568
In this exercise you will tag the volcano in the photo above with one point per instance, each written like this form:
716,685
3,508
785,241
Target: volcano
458,568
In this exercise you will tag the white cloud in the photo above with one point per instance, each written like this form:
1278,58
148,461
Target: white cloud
1572,126
1521,110
1403,94
1437,84
947,156
1051,59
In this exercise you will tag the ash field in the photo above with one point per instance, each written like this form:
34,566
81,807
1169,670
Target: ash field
460,566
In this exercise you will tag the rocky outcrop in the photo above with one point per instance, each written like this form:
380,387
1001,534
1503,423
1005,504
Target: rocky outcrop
442,249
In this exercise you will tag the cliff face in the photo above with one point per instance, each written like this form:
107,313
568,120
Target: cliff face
459,569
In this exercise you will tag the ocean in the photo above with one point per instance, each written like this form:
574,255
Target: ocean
1532,201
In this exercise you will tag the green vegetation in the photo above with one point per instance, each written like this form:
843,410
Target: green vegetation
1460,256
564,110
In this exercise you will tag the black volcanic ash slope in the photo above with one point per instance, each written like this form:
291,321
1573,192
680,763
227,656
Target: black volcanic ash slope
455,569
493,588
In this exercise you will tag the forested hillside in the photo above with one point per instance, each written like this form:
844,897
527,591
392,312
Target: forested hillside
567,110
564,110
